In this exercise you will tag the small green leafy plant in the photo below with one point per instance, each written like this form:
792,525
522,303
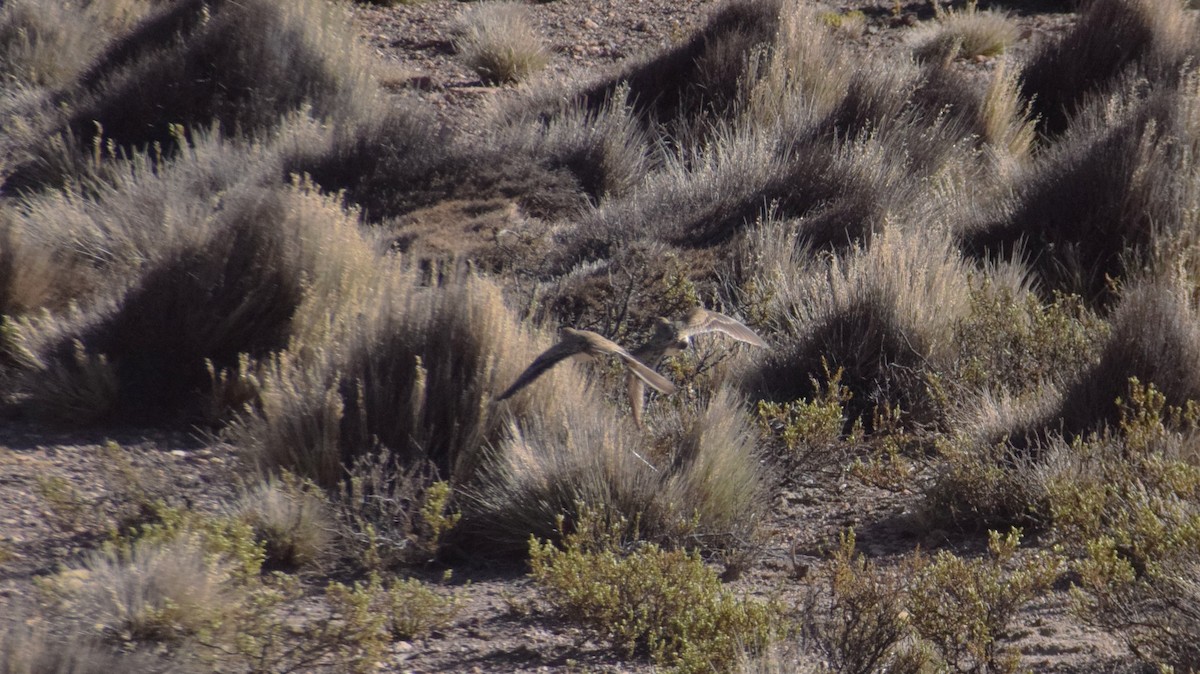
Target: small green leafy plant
663,603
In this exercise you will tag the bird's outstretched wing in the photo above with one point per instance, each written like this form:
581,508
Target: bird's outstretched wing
548,359
701,320
637,397
655,380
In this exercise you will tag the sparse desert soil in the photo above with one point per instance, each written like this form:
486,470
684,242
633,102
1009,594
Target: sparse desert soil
500,629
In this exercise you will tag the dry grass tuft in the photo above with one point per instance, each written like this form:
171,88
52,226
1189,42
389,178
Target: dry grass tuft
700,79
228,285
47,44
240,65
605,149
884,315
1102,202
31,650
1155,338
292,521
402,366
497,41
697,482
1113,38
965,34
394,163
150,590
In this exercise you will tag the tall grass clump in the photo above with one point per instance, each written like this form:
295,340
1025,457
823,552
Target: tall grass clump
95,236
1019,450
606,150
391,164
697,482
1133,482
25,649
405,367
497,41
966,34
1156,339
835,193
150,350
241,65
700,79
293,522
47,44
883,315
150,590
800,78
1107,197
29,272
1147,38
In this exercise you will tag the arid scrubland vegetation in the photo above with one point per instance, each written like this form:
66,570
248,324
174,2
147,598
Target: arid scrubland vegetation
981,291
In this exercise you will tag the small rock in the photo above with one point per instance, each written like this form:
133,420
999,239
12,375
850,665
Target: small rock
590,25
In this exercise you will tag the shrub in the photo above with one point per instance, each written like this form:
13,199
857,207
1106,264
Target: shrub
390,516
1154,614
852,23
855,619
985,484
964,607
130,497
809,433
666,604
1132,512
403,609
496,40
1012,340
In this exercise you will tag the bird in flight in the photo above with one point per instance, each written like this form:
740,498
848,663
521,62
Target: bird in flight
671,337
585,344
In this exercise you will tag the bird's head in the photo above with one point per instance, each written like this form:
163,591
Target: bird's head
664,328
